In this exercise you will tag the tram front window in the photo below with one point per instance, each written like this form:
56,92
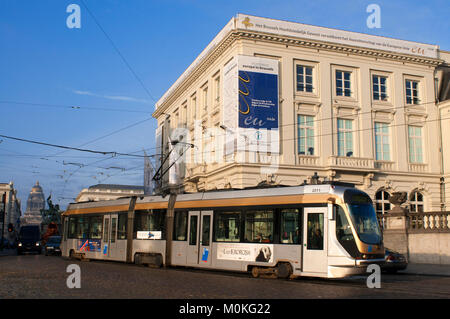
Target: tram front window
363,216
365,221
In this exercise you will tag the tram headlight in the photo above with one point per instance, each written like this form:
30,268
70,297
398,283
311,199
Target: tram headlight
19,244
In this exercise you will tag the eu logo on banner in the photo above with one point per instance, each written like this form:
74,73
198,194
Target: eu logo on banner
258,100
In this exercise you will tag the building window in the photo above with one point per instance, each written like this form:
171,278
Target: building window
412,92
194,107
205,99
305,135
185,115
217,89
382,142
226,226
379,88
304,78
382,204
416,202
345,137
259,226
343,87
415,144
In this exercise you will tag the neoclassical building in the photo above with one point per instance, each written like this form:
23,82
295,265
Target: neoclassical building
12,210
35,203
271,101
108,192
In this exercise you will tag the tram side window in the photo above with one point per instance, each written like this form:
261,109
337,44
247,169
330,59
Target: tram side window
72,228
122,227
315,231
83,227
150,220
95,231
226,226
343,230
259,226
180,225
290,226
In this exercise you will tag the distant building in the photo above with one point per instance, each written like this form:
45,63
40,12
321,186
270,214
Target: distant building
35,202
12,210
108,192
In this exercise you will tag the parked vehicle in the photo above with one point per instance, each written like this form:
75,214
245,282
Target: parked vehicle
29,239
394,261
52,246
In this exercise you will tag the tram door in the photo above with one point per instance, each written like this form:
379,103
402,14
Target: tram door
315,240
199,239
109,247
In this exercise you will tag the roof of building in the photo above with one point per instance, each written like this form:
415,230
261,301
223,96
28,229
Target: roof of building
248,23
116,186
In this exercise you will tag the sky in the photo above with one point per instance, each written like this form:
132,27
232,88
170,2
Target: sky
95,87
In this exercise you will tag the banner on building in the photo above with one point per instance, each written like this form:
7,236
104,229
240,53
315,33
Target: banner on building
250,106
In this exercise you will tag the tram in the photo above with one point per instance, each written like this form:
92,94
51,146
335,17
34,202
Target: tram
323,230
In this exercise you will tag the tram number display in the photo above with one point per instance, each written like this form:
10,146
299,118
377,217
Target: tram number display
248,252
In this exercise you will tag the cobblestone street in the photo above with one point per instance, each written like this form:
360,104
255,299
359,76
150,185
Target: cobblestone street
38,276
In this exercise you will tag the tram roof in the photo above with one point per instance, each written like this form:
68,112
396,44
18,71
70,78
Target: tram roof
122,204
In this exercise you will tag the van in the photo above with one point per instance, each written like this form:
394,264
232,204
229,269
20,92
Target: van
29,239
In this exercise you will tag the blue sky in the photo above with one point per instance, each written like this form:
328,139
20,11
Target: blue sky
51,67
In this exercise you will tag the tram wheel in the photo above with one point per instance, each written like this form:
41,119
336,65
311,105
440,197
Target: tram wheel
283,270
255,272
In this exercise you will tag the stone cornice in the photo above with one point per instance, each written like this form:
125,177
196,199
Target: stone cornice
288,41
338,48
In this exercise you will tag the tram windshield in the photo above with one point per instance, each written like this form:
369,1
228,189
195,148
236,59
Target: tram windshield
363,217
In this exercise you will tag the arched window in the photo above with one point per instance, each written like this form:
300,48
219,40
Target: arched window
416,202
382,204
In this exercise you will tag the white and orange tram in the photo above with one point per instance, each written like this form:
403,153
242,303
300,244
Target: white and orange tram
321,230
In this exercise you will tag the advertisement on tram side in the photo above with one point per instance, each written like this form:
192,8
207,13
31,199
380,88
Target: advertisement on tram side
245,252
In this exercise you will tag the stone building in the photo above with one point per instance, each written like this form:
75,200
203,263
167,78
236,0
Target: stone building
12,210
35,202
108,192
271,101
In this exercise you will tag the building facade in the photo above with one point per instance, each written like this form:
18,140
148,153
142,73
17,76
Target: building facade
352,107
108,192
35,203
12,211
